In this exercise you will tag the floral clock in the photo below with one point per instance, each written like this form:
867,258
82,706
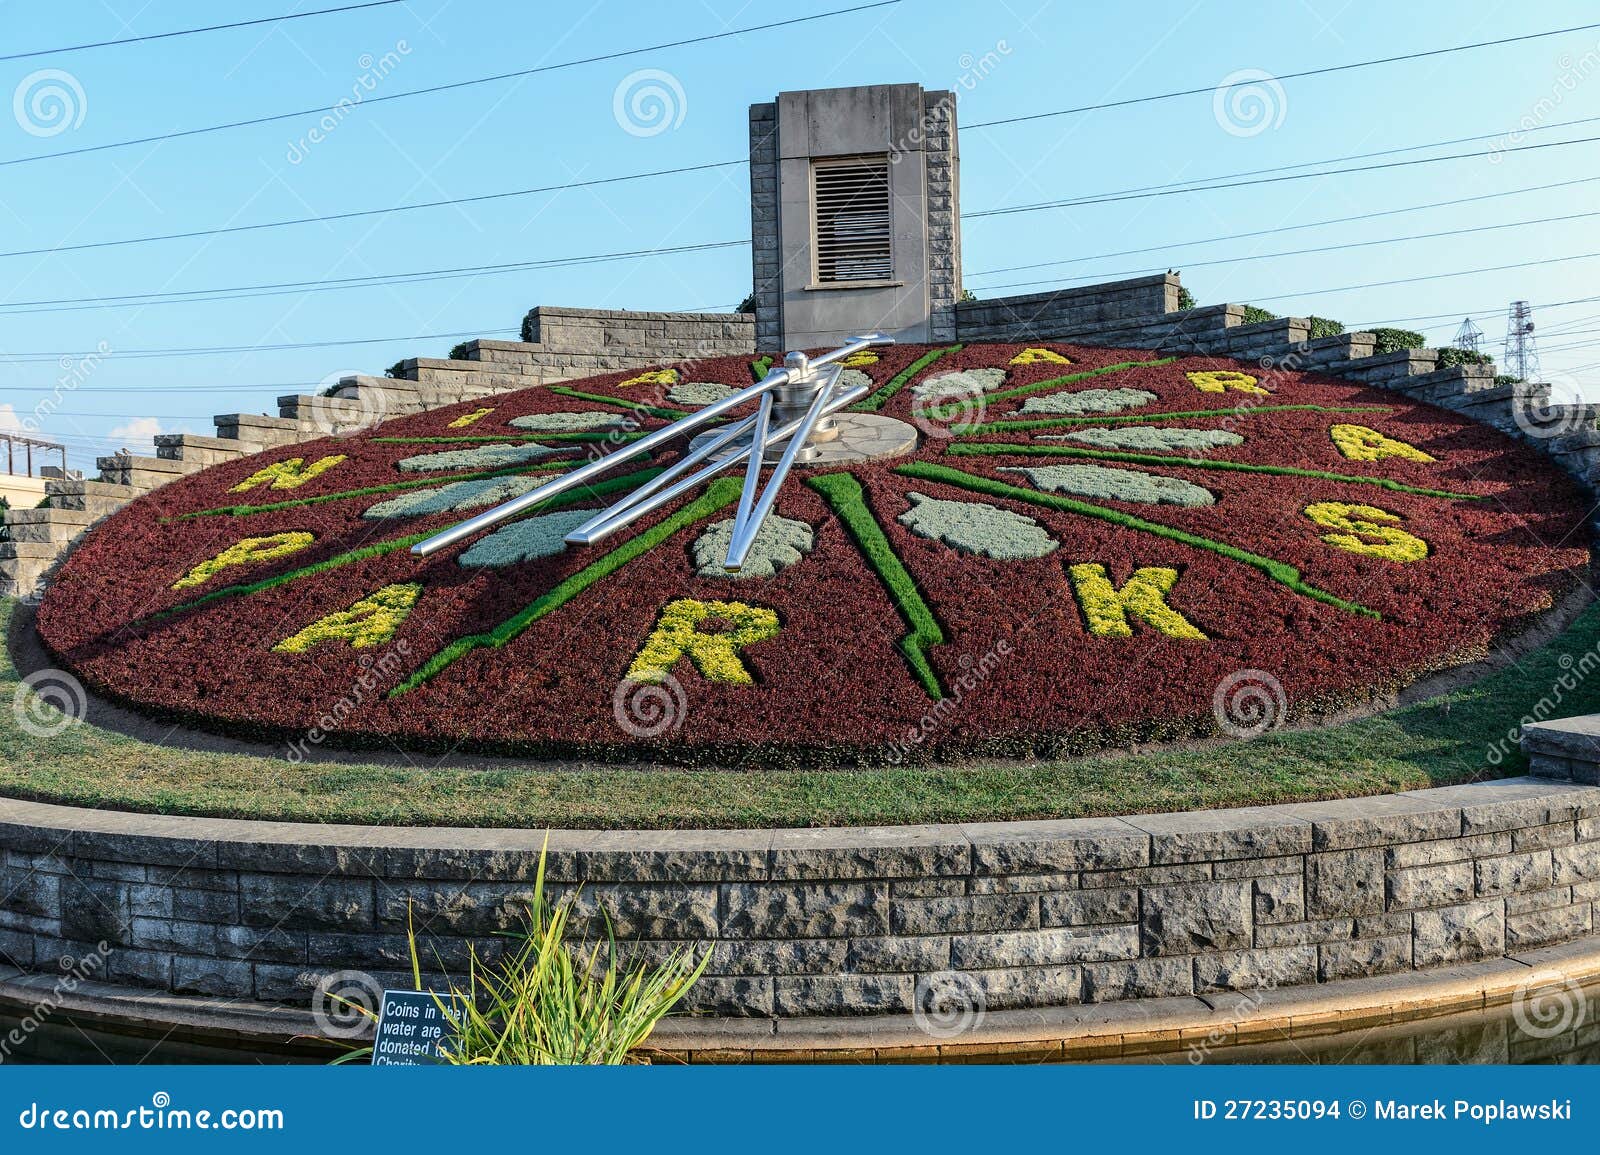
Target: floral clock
1086,547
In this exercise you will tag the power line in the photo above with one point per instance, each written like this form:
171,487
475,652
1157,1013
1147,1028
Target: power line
1197,182
1436,276
270,289
374,280
26,358
1397,281
1476,314
1210,88
1338,248
196,31
479,198
454,85
93,390
1284,228
358,213
1075,202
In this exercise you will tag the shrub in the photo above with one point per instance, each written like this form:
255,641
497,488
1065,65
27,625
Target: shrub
1254,315
1186,298
1394,340
5,530
1507,379
1325,327
459,351
1450,357
393,370
551,1001
748,305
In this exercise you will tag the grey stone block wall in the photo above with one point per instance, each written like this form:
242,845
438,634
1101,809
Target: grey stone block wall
765,258
1104,312
830,922
641,338
942,174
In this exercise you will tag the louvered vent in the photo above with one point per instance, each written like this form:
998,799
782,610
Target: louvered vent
852,220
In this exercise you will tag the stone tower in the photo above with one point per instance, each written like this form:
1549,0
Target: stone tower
855,215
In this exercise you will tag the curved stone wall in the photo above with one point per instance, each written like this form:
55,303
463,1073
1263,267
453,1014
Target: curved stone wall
823,922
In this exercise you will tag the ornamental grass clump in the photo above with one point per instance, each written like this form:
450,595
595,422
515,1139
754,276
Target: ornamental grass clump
555,999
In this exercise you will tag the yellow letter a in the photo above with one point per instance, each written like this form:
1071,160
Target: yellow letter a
1358,443
290,474
251,549
1033,356
372,621
1222,380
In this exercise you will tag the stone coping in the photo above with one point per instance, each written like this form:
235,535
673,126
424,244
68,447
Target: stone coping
835,923
1144,1030
923,851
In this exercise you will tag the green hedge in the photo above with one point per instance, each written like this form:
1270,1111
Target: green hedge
1450,357
1394,340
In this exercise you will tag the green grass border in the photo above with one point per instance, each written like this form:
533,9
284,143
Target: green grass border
718,495
1074,378
847,500
372,491
621,403
561,500
1281,572
593,435
998,449
880,397
1186,414
1465,735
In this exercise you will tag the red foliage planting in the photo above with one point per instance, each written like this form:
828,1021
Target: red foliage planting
1020,669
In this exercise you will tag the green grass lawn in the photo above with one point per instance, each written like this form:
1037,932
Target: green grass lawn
1438,742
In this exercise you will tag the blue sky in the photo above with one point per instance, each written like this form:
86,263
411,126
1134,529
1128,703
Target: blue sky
1006,58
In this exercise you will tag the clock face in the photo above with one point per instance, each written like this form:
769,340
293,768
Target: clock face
1086,546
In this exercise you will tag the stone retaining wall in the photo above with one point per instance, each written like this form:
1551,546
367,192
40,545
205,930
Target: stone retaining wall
823,922
1090,310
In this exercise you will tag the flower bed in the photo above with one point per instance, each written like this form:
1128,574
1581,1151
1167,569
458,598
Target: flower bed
1045,573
